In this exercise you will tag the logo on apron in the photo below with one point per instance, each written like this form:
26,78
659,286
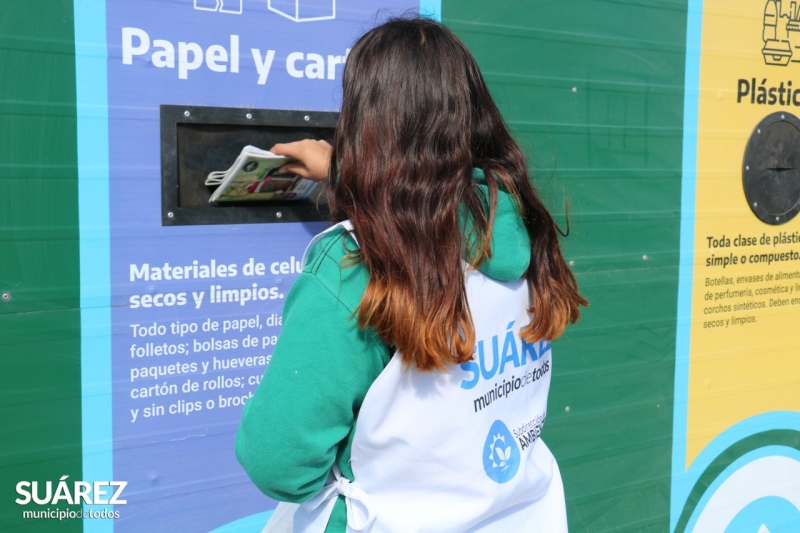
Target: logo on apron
500,453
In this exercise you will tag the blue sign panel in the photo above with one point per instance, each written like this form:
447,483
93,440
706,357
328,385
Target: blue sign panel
195,310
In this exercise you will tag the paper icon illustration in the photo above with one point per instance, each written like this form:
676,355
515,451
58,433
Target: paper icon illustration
221,6
304,10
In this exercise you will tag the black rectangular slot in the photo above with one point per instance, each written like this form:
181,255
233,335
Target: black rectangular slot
198,140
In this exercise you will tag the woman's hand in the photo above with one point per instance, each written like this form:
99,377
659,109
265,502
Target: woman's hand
313,158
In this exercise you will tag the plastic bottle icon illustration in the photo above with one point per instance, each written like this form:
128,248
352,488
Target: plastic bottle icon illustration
778,33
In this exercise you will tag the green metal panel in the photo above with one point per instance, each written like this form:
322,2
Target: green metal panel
39,316
594,92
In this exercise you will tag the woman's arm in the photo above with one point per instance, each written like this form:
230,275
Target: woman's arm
306,405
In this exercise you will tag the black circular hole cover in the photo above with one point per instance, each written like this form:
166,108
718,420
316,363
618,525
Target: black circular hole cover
771,169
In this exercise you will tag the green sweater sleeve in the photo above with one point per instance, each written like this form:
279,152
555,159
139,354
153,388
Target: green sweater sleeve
302,417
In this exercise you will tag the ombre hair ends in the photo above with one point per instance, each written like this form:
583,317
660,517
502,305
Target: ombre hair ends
416,119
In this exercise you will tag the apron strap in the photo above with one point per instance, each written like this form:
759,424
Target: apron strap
346,224
359,515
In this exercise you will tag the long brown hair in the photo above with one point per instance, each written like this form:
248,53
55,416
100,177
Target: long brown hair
416,119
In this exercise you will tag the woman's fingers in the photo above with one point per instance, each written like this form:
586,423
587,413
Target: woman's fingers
313,158
295,168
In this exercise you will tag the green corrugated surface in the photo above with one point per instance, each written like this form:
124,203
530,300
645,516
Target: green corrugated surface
594,91
40,324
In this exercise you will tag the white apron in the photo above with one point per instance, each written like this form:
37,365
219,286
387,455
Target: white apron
455,451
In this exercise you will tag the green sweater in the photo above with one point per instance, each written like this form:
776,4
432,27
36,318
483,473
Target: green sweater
302,418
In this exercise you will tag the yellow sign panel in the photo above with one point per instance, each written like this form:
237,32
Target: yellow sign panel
745,345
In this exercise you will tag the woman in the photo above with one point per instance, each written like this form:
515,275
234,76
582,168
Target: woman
408,387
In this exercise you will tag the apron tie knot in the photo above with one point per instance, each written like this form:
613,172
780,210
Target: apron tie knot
318,509
359,516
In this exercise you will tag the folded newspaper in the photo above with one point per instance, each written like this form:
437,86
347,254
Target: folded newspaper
255,176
